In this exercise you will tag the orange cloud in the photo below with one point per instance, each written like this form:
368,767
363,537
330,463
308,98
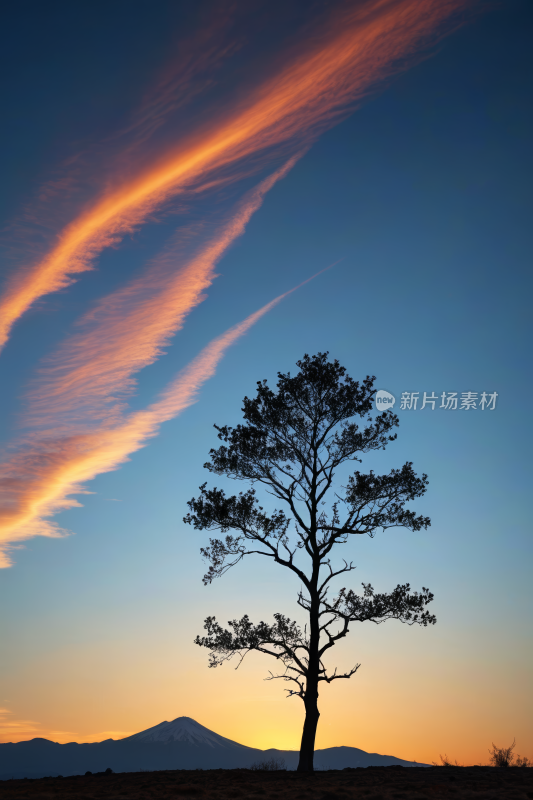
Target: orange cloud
21,730
128,329
192,72
39,481
313,91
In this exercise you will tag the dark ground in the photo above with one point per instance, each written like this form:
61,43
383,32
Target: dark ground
372,783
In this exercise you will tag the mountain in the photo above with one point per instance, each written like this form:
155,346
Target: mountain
180,744
183,729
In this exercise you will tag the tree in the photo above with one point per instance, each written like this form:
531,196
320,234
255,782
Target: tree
292,443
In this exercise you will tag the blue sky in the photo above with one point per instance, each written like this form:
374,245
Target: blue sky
422,195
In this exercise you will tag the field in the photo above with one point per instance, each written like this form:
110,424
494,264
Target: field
372,783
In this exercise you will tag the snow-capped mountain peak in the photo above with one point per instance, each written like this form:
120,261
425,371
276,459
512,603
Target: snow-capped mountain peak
183,729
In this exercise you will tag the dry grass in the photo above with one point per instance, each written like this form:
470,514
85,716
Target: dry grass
373,783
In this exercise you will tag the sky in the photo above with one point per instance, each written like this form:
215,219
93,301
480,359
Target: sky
193,197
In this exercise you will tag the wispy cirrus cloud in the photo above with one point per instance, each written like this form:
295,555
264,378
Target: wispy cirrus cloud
315,87
39,481
77,407
88,376
192,73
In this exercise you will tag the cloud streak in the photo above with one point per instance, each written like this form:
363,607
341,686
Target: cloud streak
127,330
20,730
315,88
39,481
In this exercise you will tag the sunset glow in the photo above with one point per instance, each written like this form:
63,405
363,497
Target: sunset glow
171,173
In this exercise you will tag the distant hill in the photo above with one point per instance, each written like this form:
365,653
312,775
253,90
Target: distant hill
180,744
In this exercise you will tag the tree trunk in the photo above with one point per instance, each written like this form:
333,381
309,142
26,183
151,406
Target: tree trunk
307,747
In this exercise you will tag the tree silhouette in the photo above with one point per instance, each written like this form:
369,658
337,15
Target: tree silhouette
293,442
